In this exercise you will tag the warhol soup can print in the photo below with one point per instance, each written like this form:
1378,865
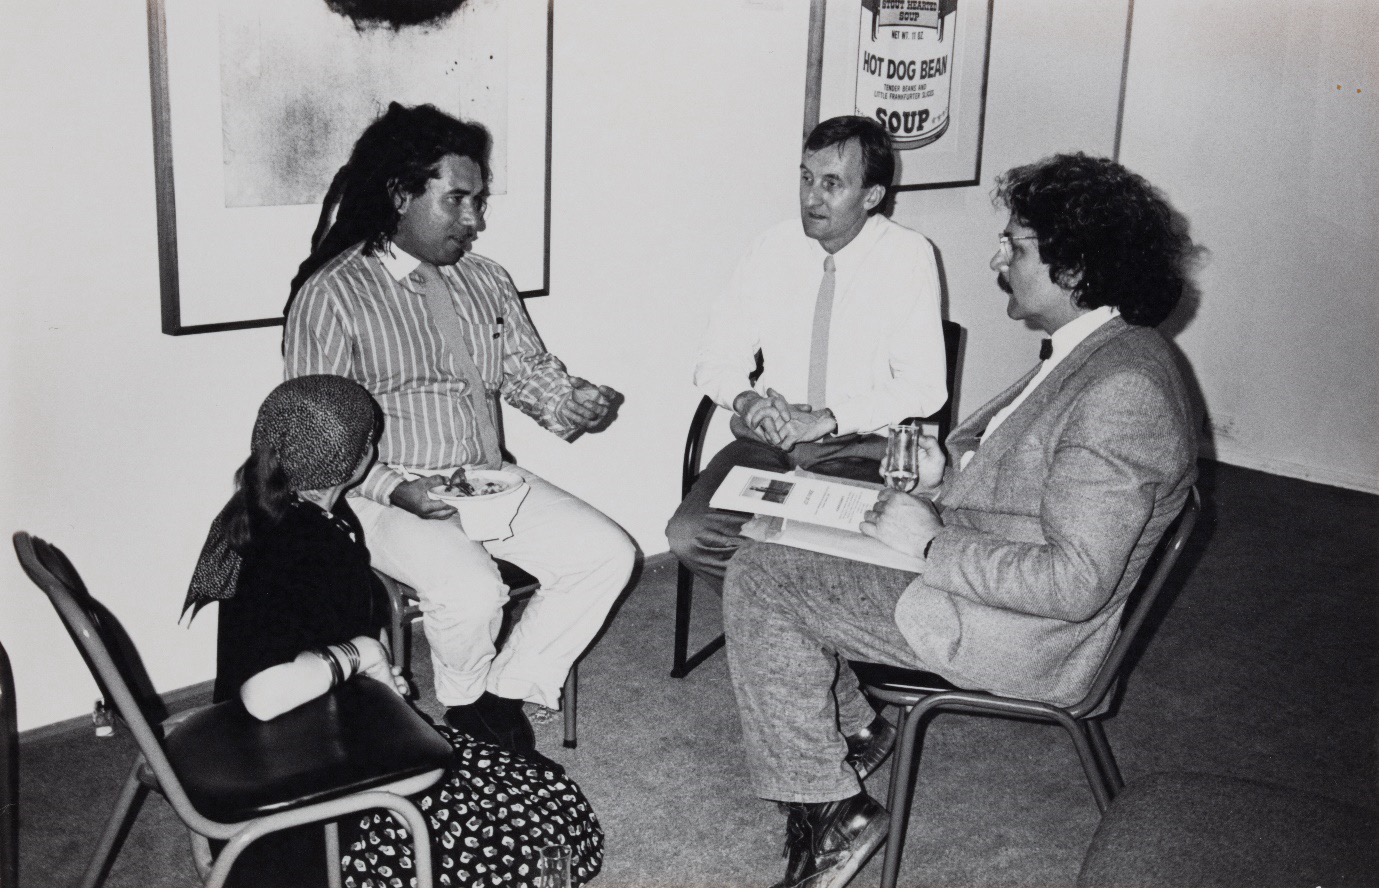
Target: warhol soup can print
903,79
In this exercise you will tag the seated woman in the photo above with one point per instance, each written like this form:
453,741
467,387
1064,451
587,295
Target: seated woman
301,611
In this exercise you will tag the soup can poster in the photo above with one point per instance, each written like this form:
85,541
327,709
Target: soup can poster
904,67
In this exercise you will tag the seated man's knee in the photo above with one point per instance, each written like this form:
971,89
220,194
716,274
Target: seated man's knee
750,574
617,549
473,598
683,532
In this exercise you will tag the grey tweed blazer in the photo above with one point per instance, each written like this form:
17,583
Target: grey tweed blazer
1051,522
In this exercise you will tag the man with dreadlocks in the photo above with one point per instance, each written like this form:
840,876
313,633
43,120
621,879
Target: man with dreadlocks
393,298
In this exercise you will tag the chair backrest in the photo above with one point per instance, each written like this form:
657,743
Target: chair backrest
696,436
1140,603
108,654
944,417
9,777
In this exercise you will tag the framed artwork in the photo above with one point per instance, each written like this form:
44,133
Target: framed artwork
257,103
918,67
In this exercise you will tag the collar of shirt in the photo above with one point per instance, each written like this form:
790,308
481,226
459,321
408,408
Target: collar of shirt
853,254
1065,339
398,262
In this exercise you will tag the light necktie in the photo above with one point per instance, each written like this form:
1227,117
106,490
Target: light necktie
821,335
444,318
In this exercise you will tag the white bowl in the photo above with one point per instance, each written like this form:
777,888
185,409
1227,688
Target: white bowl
488,516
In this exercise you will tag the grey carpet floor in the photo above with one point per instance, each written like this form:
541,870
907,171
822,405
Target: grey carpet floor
1263,665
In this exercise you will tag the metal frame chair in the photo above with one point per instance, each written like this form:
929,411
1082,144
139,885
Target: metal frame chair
692,469
404,609
919,695
9,777
229,776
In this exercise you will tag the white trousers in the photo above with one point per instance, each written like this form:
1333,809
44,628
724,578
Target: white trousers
580,558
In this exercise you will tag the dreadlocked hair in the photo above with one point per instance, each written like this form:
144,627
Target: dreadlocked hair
396,155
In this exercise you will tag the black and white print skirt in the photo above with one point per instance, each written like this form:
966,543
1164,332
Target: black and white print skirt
490,816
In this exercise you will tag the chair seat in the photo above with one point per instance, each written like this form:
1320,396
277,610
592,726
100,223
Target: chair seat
1192,829
358,736
899,679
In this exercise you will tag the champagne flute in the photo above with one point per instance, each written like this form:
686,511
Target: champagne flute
900,469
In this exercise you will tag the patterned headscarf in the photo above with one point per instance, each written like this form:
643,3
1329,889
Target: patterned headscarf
316,427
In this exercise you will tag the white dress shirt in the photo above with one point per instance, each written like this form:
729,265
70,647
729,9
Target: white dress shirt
885,355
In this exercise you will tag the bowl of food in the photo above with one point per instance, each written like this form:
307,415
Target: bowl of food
486,501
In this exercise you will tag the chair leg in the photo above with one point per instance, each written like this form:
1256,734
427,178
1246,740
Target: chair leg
201,854
332,834
1095,776
1101,744
569,709
682,621
896,760
901,792
127,804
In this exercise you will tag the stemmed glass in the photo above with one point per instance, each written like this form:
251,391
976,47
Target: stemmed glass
900,468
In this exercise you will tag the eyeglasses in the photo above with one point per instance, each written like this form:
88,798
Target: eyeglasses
1007,245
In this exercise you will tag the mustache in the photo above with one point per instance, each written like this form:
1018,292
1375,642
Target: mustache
1003,282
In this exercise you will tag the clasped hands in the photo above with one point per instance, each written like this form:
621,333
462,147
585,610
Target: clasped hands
772,419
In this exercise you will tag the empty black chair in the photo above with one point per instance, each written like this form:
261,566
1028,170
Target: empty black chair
228,775
1190,829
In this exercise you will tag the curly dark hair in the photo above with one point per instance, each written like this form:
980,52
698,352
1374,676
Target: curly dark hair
399,150
1104,228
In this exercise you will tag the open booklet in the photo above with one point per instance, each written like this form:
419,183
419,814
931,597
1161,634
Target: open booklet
809,511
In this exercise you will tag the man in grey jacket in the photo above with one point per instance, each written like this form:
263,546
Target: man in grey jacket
1032,527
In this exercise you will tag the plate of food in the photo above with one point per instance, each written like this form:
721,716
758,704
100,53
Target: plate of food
470,483
486,501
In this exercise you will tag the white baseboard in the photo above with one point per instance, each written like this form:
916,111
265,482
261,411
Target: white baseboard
175,700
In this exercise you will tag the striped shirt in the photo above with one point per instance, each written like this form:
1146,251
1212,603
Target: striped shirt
362,316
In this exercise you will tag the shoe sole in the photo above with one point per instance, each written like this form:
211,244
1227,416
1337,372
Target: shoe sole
838,875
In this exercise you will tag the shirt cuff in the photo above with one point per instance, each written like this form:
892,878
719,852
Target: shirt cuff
379,484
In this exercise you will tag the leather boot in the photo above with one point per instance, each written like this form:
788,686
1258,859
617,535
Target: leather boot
867,748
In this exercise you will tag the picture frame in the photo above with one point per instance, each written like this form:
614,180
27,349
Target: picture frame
245,143
920,67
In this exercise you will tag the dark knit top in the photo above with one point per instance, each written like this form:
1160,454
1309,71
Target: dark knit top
304,584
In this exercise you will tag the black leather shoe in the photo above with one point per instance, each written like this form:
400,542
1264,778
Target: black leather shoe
867,748
828,842
497,720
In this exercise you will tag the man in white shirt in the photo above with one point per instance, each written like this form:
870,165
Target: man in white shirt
1032,530
844,305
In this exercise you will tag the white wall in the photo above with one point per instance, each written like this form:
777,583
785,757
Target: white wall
1260,120
675,139
1054,84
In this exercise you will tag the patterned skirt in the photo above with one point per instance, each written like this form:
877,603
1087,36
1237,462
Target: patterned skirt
490,816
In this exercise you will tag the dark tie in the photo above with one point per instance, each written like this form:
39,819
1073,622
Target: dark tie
821,335
1045,349
444,317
